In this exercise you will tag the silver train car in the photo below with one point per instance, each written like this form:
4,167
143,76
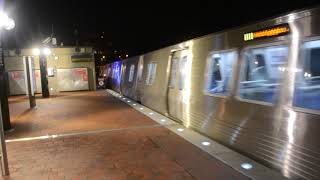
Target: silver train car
255,89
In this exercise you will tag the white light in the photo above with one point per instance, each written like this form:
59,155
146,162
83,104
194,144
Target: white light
103,57
6,22
256,62
56,58
120,96
180,129
10,24
54,136
141,108
163,120
151,113
134,104
51,89
246,166
205,143
46,51
36,51
128,101
123,98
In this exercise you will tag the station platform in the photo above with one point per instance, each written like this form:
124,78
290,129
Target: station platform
102,135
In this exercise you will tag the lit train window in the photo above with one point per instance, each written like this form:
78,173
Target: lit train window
307,82
182,70
151,73
219,72
131,73
262,72
173,73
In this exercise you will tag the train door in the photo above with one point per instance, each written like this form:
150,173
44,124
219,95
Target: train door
123,74
139,79
176,88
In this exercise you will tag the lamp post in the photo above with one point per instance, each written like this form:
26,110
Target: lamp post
8,24
43,54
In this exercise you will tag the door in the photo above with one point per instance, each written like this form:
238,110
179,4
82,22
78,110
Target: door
139,80
177,85
123,73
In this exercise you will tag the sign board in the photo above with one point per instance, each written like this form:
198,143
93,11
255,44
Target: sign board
274,31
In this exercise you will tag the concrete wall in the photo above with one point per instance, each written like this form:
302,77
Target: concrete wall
13,62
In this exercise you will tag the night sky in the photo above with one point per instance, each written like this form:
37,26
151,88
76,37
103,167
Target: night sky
132,26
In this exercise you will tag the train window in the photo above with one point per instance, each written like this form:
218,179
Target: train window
108,71
131,73
307,82
219,72
262,72
182,70
151,73
173,73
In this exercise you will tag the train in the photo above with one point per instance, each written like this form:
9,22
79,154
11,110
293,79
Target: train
253,88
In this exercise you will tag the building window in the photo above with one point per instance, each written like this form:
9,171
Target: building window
151,73
307,81
262,72
219,73
131,73
173,72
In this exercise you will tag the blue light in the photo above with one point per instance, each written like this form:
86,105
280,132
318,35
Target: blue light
116,73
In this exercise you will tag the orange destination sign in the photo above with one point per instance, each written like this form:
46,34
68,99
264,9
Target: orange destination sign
274,31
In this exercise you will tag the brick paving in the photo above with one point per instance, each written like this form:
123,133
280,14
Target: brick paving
135,147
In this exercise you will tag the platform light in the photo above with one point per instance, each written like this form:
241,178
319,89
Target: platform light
180,129
141,108
10,24
246,166
123,98
128,101
151,113
6,22
46,51
134,104
206,143
56,57
163,120
36,51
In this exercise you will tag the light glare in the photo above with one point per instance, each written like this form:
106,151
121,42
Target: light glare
36,51
46,51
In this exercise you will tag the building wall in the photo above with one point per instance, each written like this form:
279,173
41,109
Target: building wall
66,60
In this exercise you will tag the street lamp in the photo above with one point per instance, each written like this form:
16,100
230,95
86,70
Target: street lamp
43,53
7,24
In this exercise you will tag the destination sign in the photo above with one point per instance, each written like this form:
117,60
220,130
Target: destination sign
279,30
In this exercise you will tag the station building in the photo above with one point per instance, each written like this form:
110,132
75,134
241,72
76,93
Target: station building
68,69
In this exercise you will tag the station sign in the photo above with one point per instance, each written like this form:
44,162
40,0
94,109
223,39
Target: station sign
274,31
